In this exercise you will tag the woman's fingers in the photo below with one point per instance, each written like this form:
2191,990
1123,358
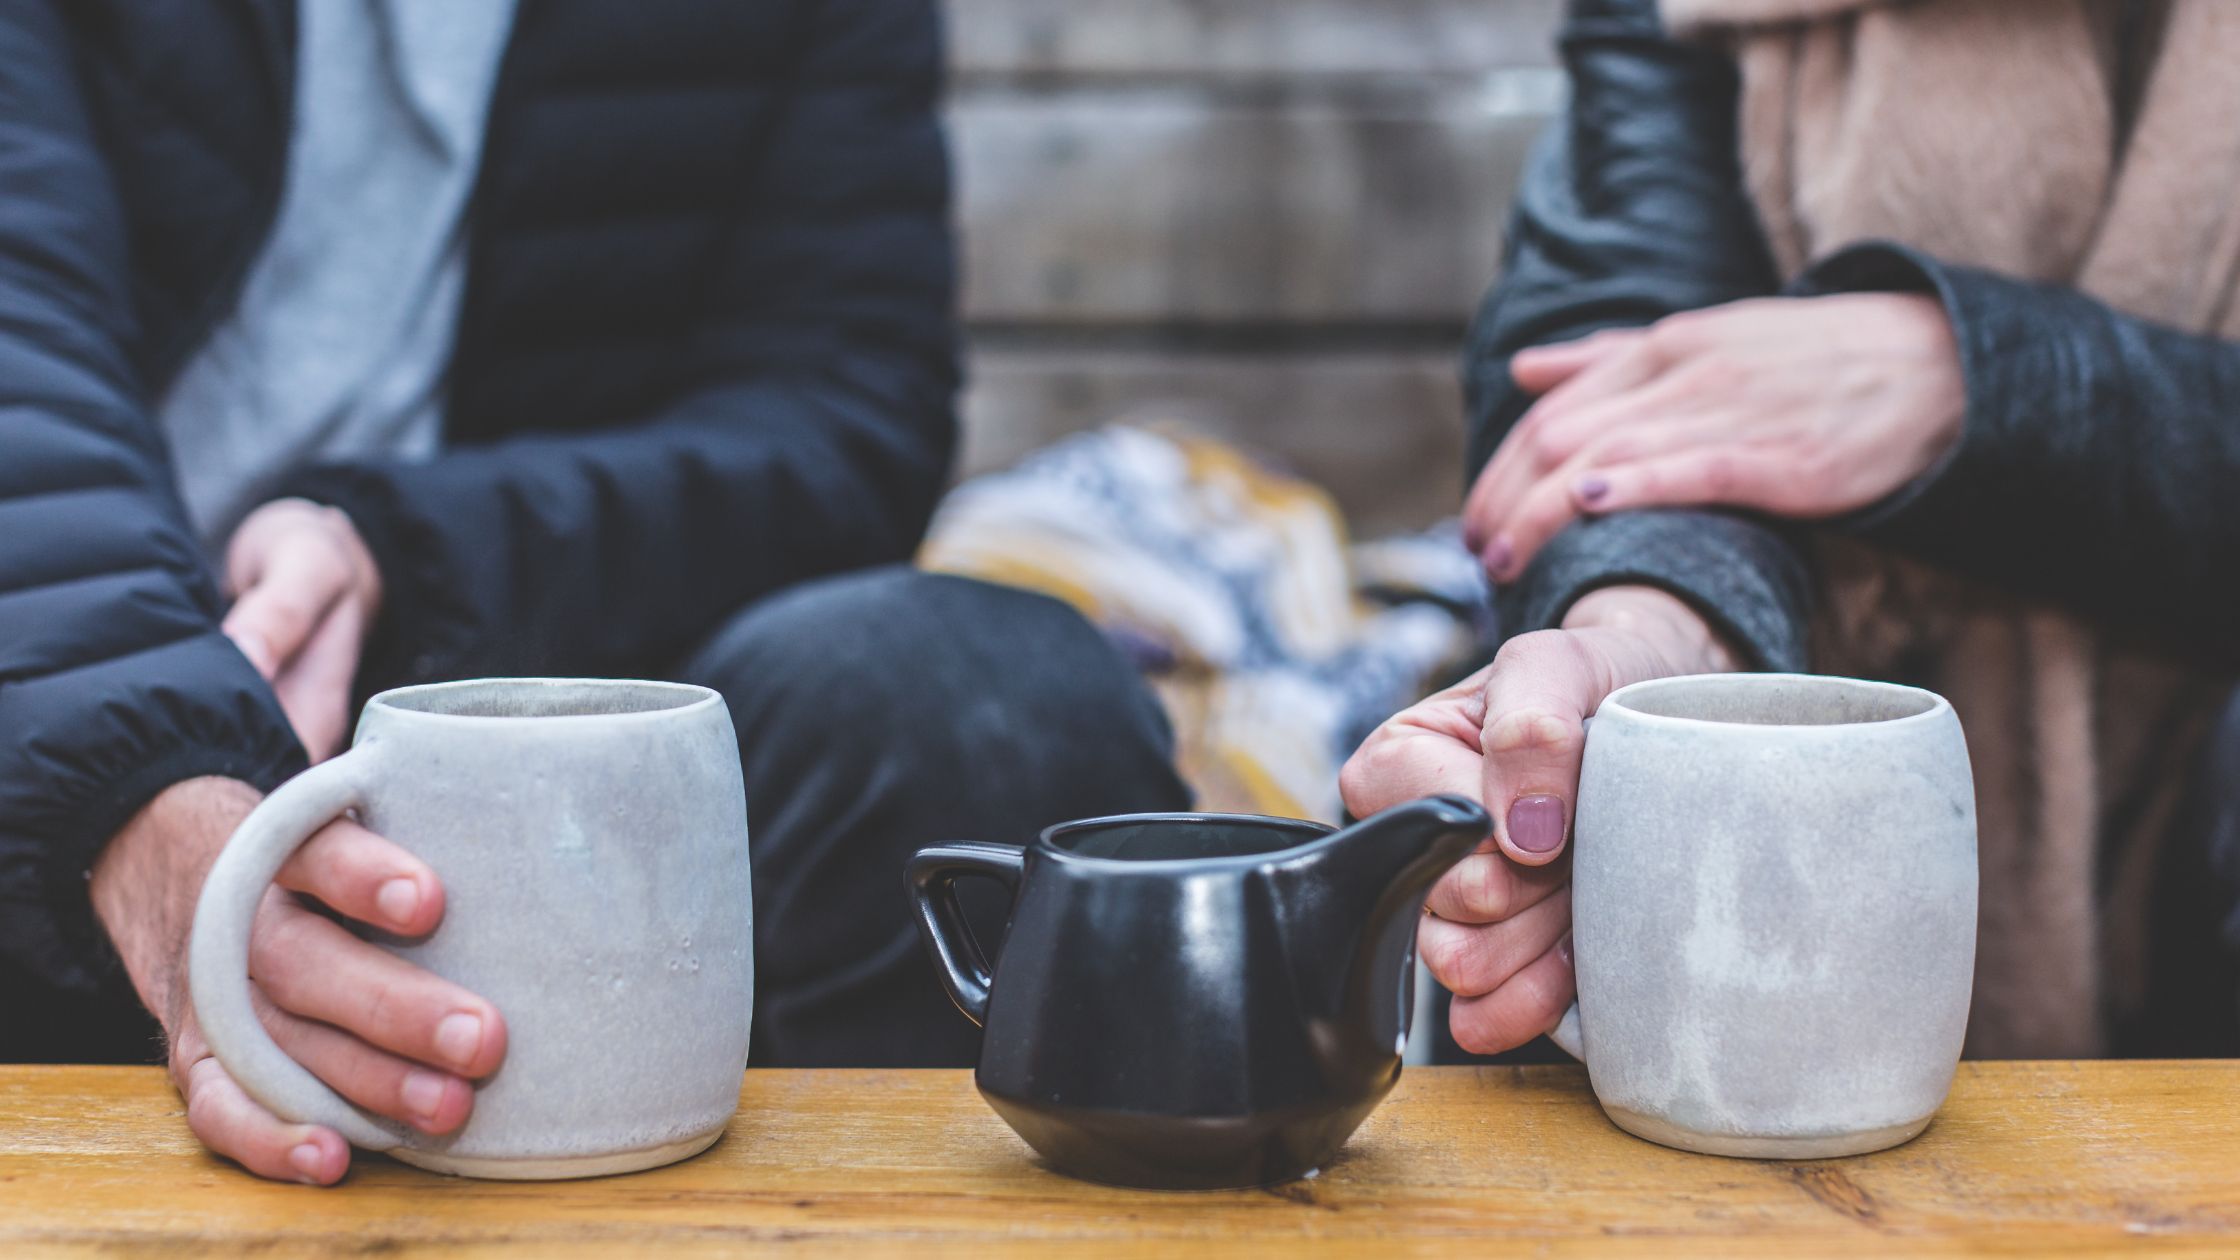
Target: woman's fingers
1408,764
1567,374
1538,369
365,877
1531,1003
1427,749
310,966
1487,887
427,1099
1646,423
238,1127
1476,958
1540,514
1722,475
1538,695
1526,455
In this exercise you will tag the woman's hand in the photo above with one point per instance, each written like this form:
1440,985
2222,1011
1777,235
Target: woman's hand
1801,407
1497,928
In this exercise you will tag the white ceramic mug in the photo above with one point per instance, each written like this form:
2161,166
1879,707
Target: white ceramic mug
591,837
1774,912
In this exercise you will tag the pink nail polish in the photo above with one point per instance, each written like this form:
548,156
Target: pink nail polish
1592,488
1498,554
1536,824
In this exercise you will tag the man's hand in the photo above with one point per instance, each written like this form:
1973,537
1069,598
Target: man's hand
386,1035
1801,407
306,591
1497,928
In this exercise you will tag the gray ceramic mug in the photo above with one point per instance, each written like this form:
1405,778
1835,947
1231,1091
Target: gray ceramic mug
1774,912
592,841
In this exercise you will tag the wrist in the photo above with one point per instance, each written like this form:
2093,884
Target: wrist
146,881
1677,637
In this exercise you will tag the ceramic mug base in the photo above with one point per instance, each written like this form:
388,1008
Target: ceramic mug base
557,1168
1829,1146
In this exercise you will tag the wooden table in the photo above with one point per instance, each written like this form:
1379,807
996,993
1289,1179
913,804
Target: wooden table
2028,1159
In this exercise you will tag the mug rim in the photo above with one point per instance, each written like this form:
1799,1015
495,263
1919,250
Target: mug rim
1937,707
1046,841
695,699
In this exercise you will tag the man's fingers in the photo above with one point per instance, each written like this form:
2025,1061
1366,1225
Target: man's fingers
429,1100
1530,1004
274,618
365,877
310,966
1473,959
1538,694
1487,887
314,689
236,1126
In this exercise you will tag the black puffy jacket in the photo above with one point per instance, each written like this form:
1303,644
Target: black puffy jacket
2100,452
705,350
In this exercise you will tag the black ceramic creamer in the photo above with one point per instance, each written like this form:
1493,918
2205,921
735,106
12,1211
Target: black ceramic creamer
1195,1001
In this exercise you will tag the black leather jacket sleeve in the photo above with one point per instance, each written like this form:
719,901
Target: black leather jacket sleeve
1632,208
114,679
2099,461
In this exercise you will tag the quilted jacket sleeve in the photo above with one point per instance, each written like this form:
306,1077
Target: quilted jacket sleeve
819,441
1632,208
114,679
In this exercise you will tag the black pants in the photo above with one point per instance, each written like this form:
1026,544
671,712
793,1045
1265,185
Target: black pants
883,711
877,712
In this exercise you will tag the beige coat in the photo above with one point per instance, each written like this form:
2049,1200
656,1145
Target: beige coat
2031,138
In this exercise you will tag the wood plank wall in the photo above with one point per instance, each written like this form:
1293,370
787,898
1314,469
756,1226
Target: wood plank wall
1270,217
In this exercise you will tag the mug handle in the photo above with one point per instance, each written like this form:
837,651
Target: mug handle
1566,1034
218,949
931,876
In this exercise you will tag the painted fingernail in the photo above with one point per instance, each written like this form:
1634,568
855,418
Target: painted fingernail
1592,488
306,1159
458,1037
1563,949
422,1094
1536,823
398,899
1498,554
